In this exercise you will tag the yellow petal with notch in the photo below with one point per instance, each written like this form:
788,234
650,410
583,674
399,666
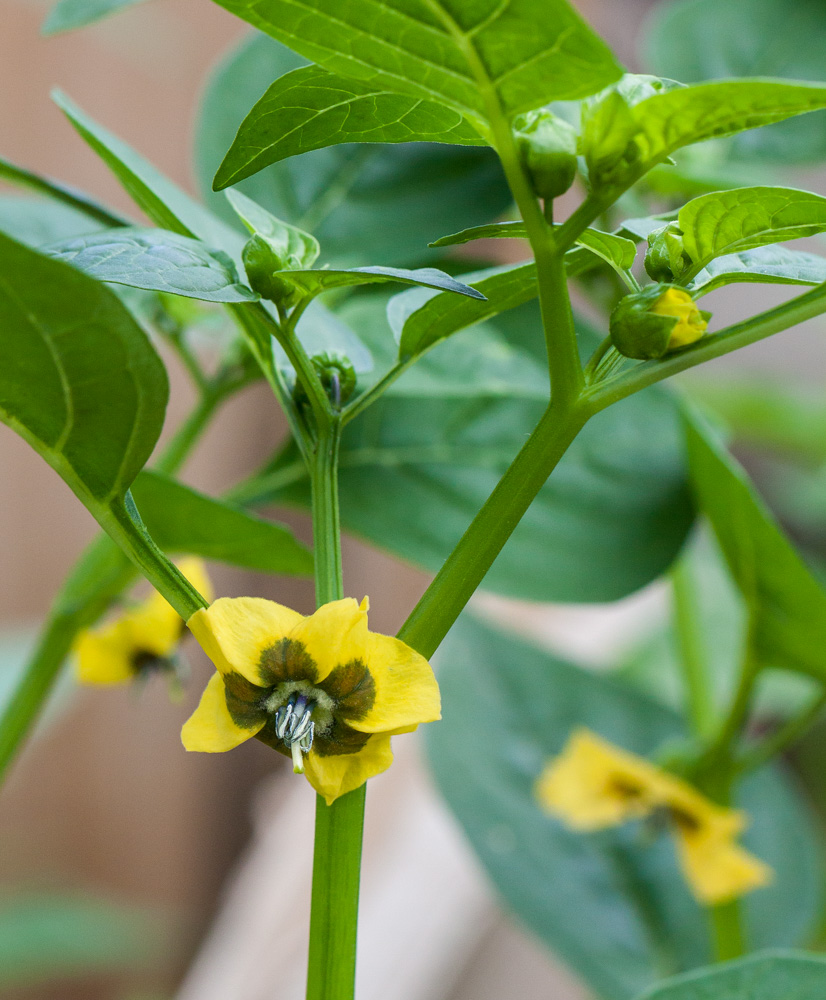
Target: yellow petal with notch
211,728
334,635
334,776
235,631
717,868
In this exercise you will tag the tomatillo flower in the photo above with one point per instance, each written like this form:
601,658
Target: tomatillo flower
140,640
593,785
690,325
321,689
655,320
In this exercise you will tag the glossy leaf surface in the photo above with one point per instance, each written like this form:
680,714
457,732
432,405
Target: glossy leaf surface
772,976
528,52
157,260
612,905
314,281
767,265
78,378
310,108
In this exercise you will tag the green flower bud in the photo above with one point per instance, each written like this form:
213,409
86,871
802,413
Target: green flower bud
666,258
609,131
547,145
660,318
261,262
337,376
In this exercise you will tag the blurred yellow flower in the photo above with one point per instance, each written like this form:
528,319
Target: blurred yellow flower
593,785
141,639
690,325
322,689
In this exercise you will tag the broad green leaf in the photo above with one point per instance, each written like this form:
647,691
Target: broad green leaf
388,194
287,242
69,14
164,202
78,378
59,192
36,221
313,281
766,265
310,108
54,937
612,905
665,122
771,976
786,602
417,468
526,52
614,250
157,260
639,229
182,520
695,40
725,222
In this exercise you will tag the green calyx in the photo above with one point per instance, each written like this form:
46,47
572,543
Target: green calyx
658,319
547,146
337,377
666,259
261,262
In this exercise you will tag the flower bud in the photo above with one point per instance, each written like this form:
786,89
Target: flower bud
666,258
547,146
660,318
261,262
337,376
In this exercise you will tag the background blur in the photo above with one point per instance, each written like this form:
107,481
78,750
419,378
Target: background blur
105,816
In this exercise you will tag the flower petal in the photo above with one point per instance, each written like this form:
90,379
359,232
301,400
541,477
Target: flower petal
717,868
154,626
105,656
234,632
334,776
334,635
406,692
195,571
211,728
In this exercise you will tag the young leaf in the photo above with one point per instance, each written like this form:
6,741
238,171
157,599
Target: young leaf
314,281
310,108
786,602
69,14
767,265
526,52
771,976
183,520
727,222
157,260
508,707
341,190
78,378
614,250
37,221
287,242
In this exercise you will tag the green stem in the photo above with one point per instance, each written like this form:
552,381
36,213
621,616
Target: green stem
366,399
465,568
692,659
727,930
331,969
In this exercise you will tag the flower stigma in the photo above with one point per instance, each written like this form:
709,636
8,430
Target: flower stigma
294,725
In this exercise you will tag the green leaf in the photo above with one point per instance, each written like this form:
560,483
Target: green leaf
766,265
727,222
418,465
526,52
612,905
287,242
181,520
310,108
67,15
786,602
771,976
680,117
78,378
614,250
59,192
157,260
313,281
164,202
341,190
53,937
36,221
696,40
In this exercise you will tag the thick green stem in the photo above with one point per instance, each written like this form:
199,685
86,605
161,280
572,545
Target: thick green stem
465,568
331,970
692,655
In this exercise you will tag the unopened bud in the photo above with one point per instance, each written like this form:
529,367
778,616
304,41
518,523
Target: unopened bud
666,258
261,263
658,319
547,145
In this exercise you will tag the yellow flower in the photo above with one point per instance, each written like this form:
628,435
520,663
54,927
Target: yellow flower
690,325
141,639
322,689
593,785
